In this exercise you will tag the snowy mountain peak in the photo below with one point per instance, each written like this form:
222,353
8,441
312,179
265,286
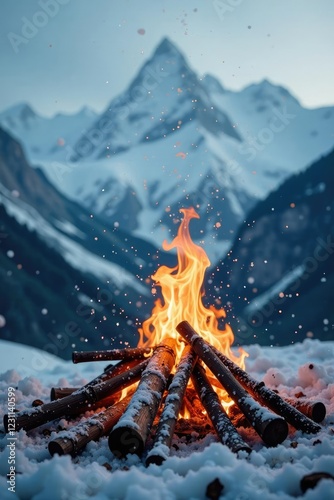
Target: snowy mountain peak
84,112
167,47
87,111
167,60
268,91
18,116
44,136
19,109
165,95
213,85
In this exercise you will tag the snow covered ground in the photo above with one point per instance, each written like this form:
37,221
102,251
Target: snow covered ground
268,473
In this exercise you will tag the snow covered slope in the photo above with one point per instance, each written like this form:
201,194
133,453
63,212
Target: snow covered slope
74,253
174,139
274,125
268,473
280,269
44,137
58,263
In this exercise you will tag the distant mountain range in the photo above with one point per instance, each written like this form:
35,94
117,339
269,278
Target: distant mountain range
95,195
57,257
278,278
173,138
43,137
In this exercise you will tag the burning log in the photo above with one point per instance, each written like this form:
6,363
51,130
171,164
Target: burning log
272,429
121,367
169,416
109,372
72,441
114,354
130,433
61,392
225,430
77,401
193,403
315,410
112,371
270,398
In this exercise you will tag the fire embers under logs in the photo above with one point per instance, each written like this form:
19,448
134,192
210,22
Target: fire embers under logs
144,420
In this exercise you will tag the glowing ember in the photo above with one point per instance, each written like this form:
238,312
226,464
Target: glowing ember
182,291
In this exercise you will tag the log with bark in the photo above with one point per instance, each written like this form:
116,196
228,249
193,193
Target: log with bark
112,355
271,428
193,403
61,392
71,442
109,372
176,391
269,398
225,430
315,410
130,434
76,402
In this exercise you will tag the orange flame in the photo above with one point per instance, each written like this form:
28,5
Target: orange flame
182,291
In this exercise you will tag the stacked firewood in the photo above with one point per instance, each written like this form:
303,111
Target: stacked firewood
145,420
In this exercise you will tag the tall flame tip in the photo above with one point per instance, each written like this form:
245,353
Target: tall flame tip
182,291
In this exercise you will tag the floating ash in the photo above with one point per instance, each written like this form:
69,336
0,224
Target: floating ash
181,300
183,375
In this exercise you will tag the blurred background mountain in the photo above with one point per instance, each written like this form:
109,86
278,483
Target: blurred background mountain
87,198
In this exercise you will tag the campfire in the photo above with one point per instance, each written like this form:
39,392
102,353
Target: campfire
183,375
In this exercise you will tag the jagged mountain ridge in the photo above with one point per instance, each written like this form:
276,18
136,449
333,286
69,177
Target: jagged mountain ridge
274,124
28,187
57,257
51,305
44,137
278,277
165,96
174,139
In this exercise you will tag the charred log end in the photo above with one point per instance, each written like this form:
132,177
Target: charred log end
311,480
318,412
124,440
274,431
61,447
154,459
214,489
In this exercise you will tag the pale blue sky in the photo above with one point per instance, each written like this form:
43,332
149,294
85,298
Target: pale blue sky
90,49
